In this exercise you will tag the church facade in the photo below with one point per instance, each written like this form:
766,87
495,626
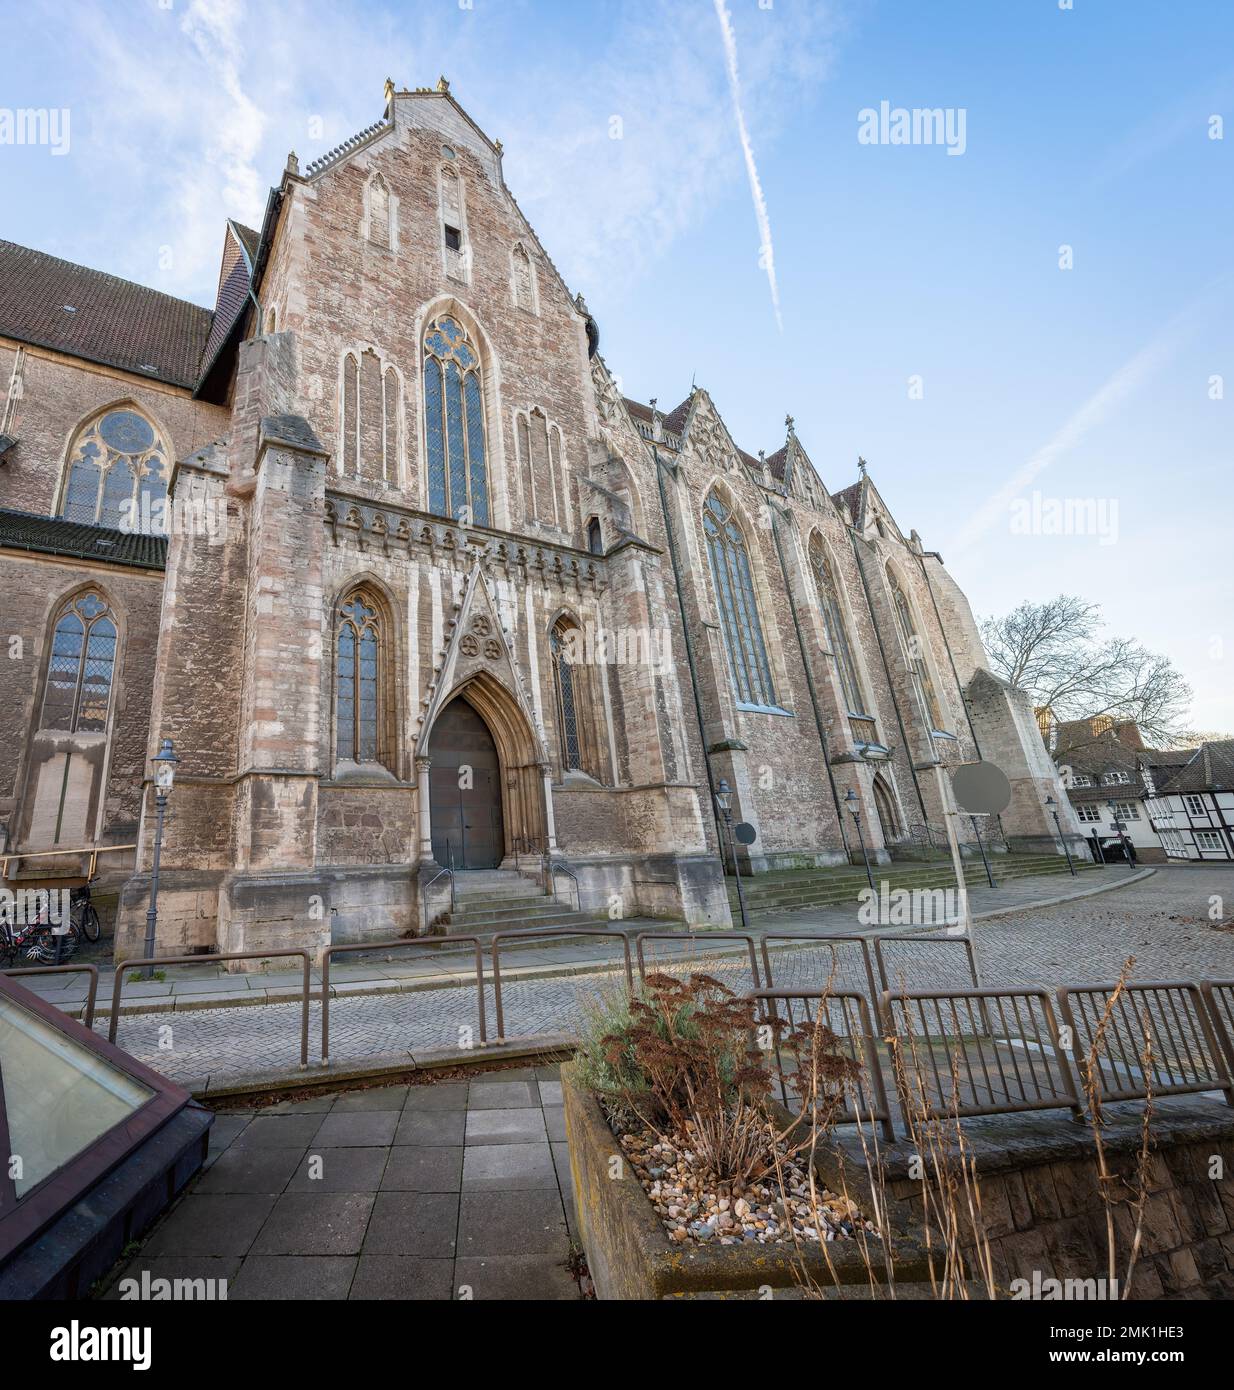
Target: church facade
378,543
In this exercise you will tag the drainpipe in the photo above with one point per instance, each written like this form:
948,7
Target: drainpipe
891,690
685,630
801,646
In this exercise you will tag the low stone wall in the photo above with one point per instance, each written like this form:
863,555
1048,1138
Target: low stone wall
1042,1206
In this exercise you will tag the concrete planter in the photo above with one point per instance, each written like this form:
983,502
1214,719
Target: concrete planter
631,1257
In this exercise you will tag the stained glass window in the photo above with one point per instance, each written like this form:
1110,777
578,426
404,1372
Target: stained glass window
77,694
356,681
734,586
567,708
117,474
914,656
454,425
837,631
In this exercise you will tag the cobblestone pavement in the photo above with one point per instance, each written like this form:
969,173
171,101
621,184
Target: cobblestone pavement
450,1190
1163,921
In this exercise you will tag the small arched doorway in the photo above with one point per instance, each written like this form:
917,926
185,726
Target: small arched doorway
884,804
465,790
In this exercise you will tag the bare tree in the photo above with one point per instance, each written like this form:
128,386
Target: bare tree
1057,653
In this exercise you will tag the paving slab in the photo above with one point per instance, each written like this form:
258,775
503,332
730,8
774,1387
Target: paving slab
254,1169
298,1277
215,1269
509,1168
511,1223
403,1277
423,1224
379,1098
501,1095
442,1095
516,1278
279,1131
505,1126
418,1168
357,1127
432,1127
315,1223
339,1170
211,1224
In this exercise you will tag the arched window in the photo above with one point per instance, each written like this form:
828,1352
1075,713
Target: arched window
914,655
454,424
379,211
357,680
117,474
595,540
734,587
563,644
77,696
837,630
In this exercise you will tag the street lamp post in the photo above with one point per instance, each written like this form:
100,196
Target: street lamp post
724,800
854,806
165,763
1052,806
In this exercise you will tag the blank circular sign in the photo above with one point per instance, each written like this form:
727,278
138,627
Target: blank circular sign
981,789
745,833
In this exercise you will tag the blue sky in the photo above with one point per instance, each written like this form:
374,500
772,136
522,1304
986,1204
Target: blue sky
1087,127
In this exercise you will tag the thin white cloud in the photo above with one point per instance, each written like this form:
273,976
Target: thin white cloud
1090,416
766,249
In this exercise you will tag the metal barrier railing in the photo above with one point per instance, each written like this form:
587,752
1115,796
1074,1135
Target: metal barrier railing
846,1015
809,945
93,851
896,986
85,969
542,933
678,961
1157,1039
142,962
331,951
998,1049
1218,997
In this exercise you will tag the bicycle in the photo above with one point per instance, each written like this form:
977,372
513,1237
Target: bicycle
82,913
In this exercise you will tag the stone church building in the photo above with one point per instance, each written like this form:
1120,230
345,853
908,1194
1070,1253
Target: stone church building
378,543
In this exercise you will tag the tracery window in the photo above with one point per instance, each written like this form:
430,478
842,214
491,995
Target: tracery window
117,474
563,650
914,655
454,424
77,694
837,631
357,680
734,587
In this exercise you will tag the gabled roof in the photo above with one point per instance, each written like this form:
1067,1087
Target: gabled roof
849,501
68,308
1210,767
49,535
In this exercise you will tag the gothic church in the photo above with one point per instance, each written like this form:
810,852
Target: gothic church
379,545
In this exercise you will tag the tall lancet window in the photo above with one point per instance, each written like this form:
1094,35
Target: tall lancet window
77,696
837,630
562,643
914,654
734,586
117,474
356,677
454,425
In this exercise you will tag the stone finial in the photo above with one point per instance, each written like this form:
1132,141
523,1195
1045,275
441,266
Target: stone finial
788,423
442,85
389,90
861,465
293,163
581,304
498,146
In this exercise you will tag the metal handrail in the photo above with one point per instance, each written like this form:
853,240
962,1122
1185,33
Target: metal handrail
386,946
809,939
538,933
441,874
145,961
552,868
697,938
92,850
84,968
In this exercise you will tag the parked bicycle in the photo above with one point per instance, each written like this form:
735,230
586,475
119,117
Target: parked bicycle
44,942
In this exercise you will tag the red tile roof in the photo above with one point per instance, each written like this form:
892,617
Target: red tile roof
55,304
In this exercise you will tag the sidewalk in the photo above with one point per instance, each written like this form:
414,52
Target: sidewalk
437,963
